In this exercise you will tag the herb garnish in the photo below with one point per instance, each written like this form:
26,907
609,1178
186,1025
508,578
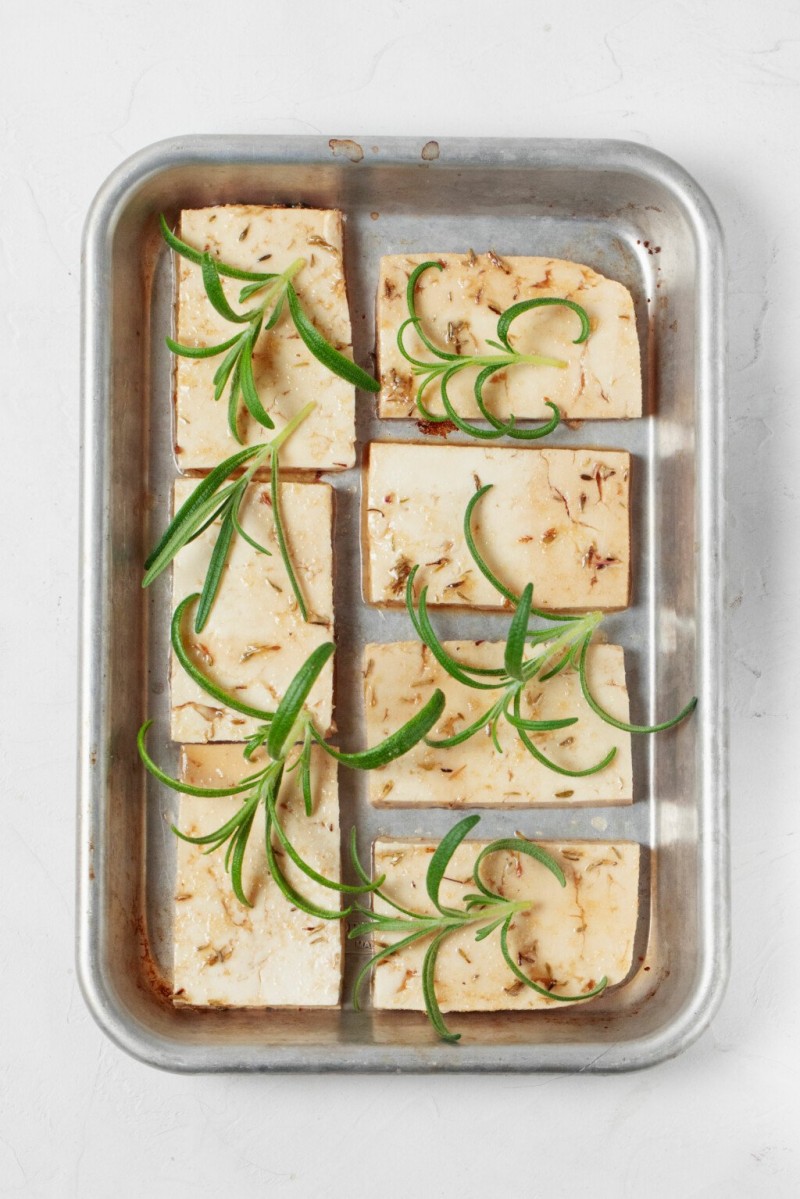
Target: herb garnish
564,643
220,496
485,910
450,364
282,731
278,292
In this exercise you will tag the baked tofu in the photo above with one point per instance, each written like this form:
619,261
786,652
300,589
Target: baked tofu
557,518
399,678
256,640
570,938
287,375
459,307
272,954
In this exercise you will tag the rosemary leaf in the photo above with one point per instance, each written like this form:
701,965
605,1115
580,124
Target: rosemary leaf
300,862
386,952
323,351
216,567
208,685
280,533
237,858
296,694
186,788
523,978
196,256
225,368
510,315
199,496
442,857
290,894
200,351
621,724
216,294
429,990
249,391
395,745
515,644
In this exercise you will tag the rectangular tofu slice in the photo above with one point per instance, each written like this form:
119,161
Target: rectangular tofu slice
558,518
256,640
399,678
270,955
459,307
287,375
567,942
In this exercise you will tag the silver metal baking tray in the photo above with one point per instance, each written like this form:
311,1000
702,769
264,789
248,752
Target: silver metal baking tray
623,209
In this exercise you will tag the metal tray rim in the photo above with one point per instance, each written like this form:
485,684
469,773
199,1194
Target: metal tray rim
670,1040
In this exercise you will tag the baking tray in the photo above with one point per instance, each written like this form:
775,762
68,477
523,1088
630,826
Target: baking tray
632,214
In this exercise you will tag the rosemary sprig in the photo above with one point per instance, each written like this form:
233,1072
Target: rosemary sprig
282,731
484,910
220,496
449,364
277,293
563,642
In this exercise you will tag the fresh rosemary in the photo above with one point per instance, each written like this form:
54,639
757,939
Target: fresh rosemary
563,642
484,910
220,496
277,293
282,731
449,364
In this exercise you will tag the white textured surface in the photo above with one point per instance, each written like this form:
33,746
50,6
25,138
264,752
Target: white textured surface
715,85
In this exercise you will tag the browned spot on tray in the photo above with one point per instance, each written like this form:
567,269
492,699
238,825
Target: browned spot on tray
436,428
345,147
152,977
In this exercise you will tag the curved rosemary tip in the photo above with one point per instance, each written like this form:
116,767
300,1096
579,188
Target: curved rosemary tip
531,655
483,912
219,497
447,365
284,742
277,294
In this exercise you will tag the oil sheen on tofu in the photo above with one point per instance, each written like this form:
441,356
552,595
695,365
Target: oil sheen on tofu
400,677
256,640
570,938
270,955
459,307
287,375
558,518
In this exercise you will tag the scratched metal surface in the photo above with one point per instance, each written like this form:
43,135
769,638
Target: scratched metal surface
608,204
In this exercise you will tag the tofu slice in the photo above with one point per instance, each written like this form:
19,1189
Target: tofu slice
256,639
558,518
257,238
568,940
460,306
399,678
270,955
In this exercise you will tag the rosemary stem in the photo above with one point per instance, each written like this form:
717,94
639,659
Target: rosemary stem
277,287
482,360
287,431
583,627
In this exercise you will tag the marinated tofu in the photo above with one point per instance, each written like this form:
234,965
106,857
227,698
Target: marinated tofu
256,640
271,954
399,678
567,942
287,375
558,518
459,307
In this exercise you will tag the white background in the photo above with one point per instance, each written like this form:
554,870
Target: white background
83,85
